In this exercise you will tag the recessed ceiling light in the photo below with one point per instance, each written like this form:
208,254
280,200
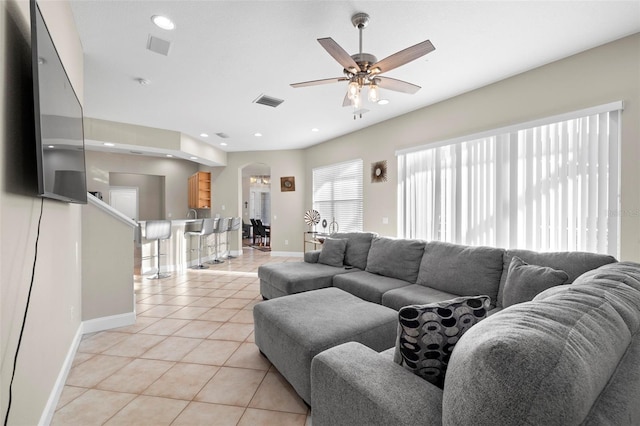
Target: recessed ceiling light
51,146
257,135
383,101
109,144
163,22
193,158
223,144
169,155
315,129
204,135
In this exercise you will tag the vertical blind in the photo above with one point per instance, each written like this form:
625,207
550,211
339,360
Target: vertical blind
337,194
551,186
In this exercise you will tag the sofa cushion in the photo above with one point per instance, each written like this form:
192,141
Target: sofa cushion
548,361
395,258
358,244
282,279
574,263
525,281
461,270
414,294
428,333
367,286
332,252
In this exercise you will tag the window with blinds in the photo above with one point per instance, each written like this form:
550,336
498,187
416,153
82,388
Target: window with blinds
547,185
337,194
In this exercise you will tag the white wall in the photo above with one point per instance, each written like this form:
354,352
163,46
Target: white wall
54,315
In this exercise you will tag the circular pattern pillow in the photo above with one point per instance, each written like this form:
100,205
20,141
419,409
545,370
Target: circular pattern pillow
428,333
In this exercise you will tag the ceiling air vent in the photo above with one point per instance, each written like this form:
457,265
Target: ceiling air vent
158,45
136,152
268,101
222,135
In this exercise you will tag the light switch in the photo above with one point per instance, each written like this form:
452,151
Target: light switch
385,220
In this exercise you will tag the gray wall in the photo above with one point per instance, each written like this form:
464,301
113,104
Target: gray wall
53,321
107,265
176,174
151,201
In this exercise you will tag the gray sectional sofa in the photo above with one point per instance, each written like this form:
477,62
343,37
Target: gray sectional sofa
399,272
569,356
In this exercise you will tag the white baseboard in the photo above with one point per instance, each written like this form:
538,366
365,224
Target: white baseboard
106,323
287,253
54,396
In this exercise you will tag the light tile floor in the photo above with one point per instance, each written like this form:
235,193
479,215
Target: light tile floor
190,358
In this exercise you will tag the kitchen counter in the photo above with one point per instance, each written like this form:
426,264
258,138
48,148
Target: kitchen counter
180,250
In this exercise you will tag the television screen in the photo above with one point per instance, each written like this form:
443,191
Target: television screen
58,118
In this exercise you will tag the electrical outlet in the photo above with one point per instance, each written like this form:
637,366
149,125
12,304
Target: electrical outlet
223,207
286,242
385,220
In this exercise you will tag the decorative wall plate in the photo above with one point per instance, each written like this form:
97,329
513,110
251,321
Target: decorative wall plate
287,183
379,171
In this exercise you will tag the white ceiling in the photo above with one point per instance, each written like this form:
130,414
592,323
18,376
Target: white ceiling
225,54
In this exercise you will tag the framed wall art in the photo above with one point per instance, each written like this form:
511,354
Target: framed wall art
287,183
379,171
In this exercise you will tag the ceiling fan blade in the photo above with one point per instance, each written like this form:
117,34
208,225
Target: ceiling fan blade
397,85
318,82
404,56
339,54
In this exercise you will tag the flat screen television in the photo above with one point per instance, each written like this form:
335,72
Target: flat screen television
58,120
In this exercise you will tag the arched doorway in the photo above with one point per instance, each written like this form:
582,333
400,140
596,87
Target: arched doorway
256,202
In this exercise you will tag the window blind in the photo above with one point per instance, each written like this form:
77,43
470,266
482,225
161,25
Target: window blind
337,194
552,186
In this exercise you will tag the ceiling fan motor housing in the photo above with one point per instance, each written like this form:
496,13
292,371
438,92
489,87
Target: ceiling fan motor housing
364,60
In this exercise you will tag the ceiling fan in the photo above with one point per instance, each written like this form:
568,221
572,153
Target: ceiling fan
364,69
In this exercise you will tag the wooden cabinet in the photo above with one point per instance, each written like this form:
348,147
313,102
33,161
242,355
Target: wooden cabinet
200,191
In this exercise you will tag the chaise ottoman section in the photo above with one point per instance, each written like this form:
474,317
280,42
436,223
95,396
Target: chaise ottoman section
281,279
291,330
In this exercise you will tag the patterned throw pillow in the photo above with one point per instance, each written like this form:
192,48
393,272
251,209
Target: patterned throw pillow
428,333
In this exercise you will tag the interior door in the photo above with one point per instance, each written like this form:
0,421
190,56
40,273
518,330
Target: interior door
125,200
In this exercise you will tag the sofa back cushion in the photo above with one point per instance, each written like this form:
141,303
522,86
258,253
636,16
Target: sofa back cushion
574,263
462,270
549,361
358,244
395,258
525,281
332,253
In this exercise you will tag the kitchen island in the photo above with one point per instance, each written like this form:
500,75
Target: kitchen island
180,251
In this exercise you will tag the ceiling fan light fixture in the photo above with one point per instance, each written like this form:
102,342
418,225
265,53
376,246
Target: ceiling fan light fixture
374,93
356,101
353,89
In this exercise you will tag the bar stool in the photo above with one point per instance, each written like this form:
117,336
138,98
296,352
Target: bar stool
220,227
157,230
200,228
234,225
